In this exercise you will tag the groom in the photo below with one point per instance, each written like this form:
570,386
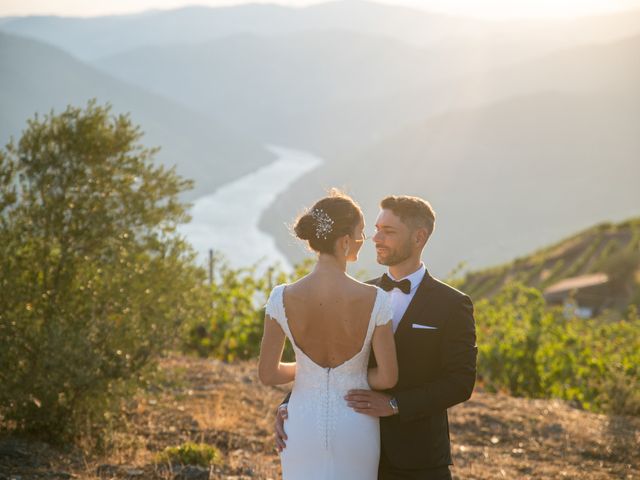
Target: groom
436,347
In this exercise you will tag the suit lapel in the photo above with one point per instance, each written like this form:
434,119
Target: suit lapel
418,302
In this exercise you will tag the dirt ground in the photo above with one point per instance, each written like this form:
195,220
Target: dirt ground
493,436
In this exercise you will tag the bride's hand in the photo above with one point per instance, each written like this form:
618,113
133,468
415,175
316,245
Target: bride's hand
281,415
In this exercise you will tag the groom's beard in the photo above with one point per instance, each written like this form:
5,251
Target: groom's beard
396,256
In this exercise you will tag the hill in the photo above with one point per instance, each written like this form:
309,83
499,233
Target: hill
556,156
493,435
37,78
613,249
503,179
274,86
454,119
336,91
487,41
91,38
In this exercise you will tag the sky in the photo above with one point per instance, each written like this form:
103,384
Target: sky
494,9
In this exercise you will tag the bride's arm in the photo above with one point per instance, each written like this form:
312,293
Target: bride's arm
271,370
385,374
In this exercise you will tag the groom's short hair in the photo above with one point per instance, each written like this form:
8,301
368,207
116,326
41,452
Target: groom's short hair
413,211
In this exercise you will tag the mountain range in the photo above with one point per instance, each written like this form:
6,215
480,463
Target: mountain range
37,77
518,132
558,152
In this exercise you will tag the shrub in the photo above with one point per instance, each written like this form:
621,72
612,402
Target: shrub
510,327
531,350
94,281
236,319
190,453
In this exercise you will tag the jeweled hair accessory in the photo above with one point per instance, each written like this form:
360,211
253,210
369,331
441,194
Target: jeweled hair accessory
324,223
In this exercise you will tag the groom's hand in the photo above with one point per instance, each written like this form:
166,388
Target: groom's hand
369,402
281,415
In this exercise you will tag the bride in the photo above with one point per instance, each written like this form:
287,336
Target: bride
333,321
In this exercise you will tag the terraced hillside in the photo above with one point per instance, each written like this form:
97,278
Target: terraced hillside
613,249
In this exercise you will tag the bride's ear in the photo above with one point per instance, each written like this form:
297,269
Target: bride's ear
343,242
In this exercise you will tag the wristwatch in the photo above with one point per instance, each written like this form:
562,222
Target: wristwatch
393,403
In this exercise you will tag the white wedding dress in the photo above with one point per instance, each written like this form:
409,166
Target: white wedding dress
327,440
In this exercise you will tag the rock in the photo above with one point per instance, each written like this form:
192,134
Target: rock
106,470
192,472
553,429
63,475
13,451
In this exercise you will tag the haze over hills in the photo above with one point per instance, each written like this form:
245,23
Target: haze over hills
480,40
101,36
262,84
502,125
503,179
96,37
551,157
335,91
37,78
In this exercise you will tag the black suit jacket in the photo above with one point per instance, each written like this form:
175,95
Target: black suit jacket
437,370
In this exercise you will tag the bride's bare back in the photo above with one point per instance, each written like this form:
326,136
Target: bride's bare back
328,316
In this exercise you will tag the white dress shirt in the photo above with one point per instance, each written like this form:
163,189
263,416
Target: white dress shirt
399,300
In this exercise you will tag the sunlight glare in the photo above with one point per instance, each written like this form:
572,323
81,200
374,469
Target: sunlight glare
504,9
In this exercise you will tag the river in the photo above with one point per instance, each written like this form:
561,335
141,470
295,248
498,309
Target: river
227,220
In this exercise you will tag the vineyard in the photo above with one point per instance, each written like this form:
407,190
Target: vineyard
609,248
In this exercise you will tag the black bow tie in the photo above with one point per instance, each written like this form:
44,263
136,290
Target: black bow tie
387,284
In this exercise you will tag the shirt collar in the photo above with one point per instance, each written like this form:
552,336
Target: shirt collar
415,278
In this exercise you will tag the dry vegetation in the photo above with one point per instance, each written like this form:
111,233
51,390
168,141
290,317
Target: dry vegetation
493,436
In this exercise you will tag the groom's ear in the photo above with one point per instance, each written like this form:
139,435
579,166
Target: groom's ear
421,236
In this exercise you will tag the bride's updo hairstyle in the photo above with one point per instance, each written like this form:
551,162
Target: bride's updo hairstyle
329,219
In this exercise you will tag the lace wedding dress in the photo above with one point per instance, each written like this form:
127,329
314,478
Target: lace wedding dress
326,438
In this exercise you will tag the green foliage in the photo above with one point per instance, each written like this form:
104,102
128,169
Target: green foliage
555,273
621,267
237,298
604,247
190,453
530,350
94,280
587,254
509,331
610,248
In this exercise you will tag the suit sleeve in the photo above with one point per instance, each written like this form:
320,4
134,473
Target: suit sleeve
455,385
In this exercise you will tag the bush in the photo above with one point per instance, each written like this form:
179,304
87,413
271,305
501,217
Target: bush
236,319
191,453
531,350
510,327
94,281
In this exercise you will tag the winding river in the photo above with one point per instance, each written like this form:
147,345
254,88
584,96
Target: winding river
227,220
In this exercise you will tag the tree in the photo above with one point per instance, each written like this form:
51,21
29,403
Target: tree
95,282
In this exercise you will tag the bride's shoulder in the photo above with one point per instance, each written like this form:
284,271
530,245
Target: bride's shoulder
370,291
279,287
276,291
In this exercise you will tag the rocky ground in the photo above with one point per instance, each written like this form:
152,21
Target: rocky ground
493,436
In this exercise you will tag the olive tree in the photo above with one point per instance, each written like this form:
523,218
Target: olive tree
95,282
